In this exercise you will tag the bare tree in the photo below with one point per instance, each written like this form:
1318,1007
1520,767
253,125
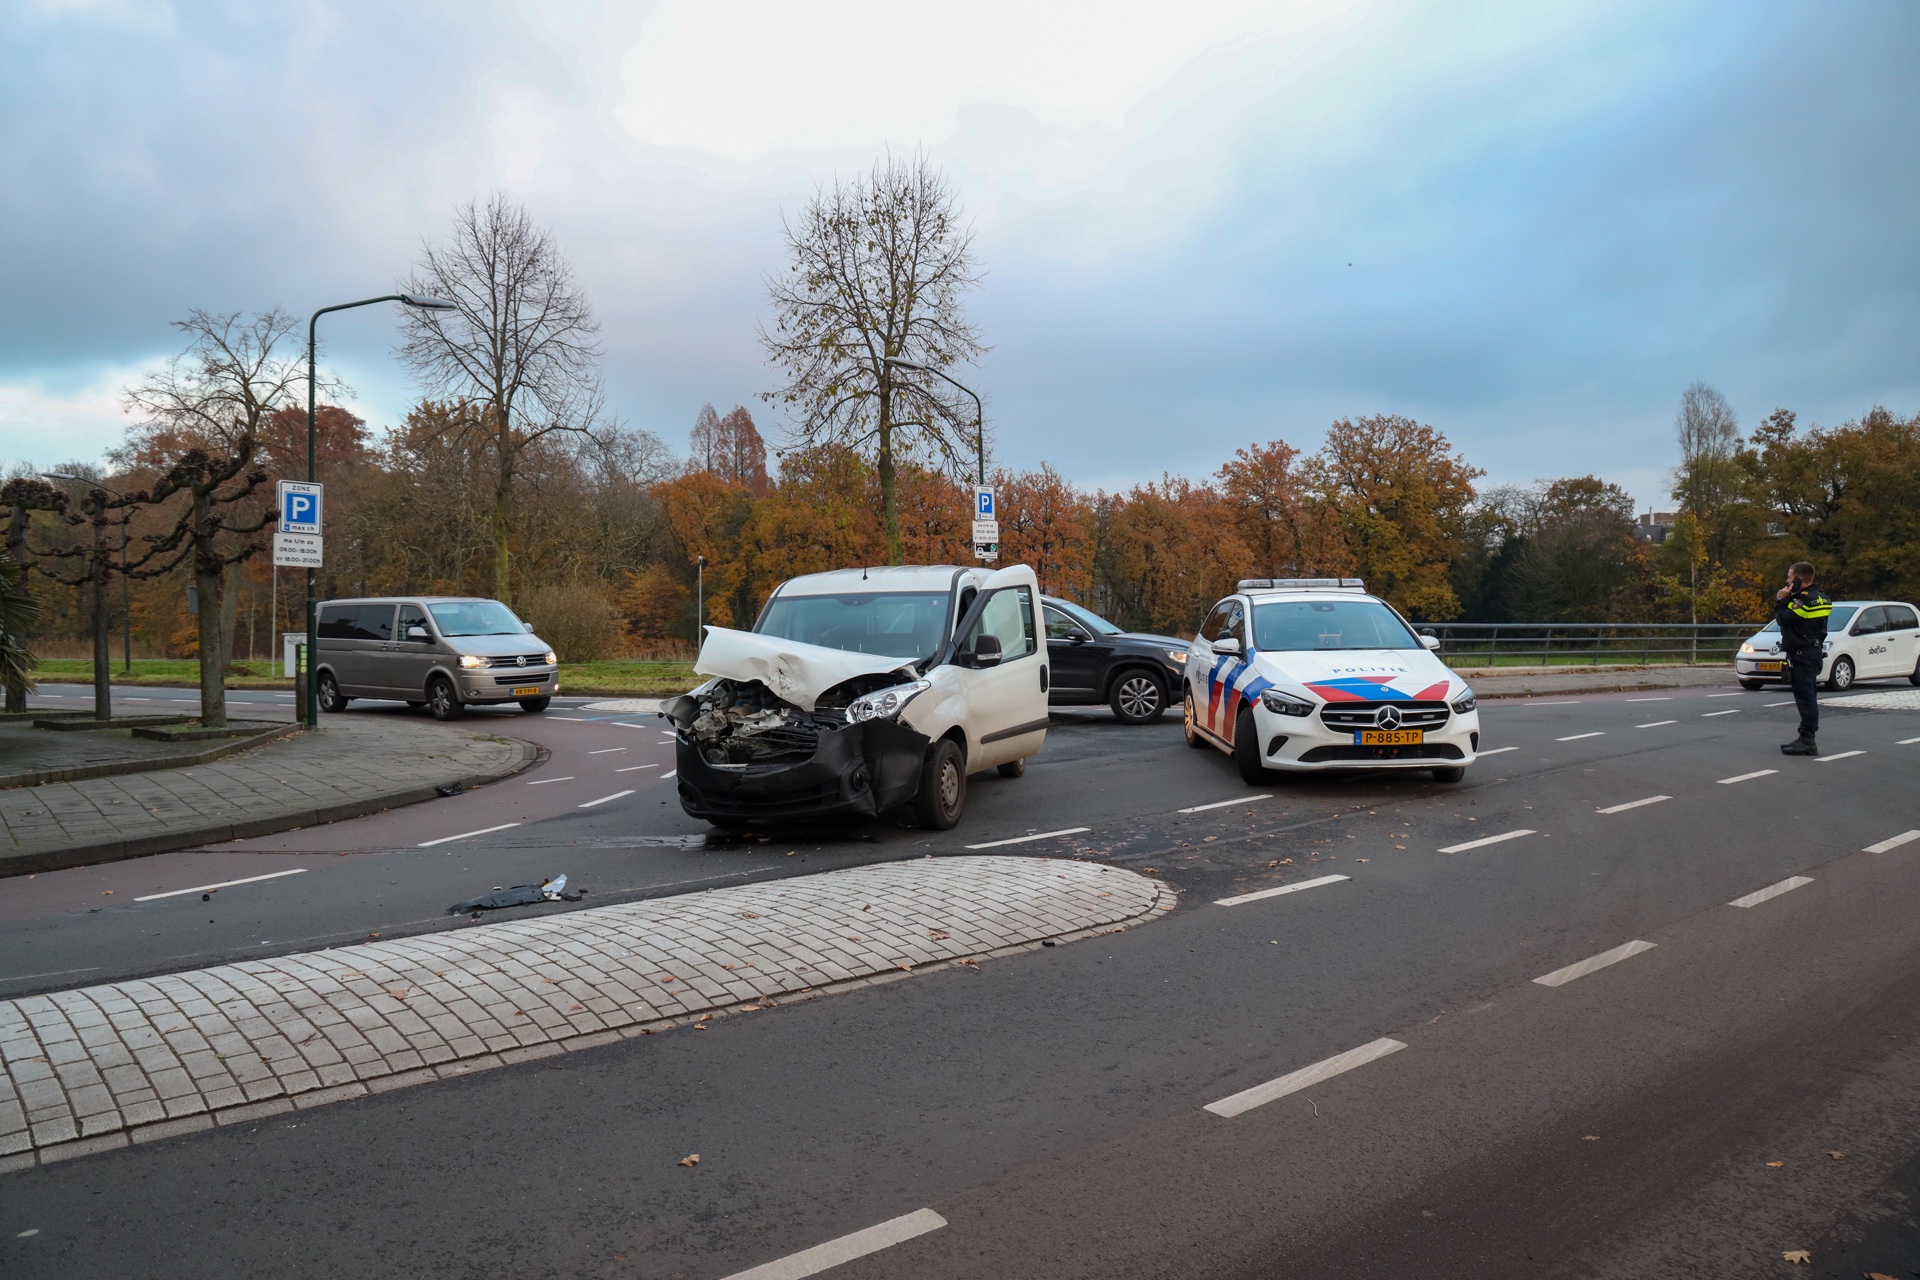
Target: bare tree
1706,480
879,266
730,448
519,343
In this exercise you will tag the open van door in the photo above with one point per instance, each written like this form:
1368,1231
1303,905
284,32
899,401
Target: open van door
1003,648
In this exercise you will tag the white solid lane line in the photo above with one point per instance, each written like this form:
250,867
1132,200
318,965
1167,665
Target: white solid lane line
541,782
1893,843
630,768
605,751
1044,835
1666,699
1731,711
425,844
822,1257
1477,844
1304,1078
1748,777
1635,804
1561,977
224,884
1838,756
1274,893
1759,896
1598,733
1222,804
1494,751
603,799
1655,724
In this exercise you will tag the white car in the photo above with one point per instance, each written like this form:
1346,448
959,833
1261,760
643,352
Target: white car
1866,640
1308,674
860,690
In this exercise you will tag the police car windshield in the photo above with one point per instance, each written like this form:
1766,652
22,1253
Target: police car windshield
1836,621
891,624
475,618
1329,624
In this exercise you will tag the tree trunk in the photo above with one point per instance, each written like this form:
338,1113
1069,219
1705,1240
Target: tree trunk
889,507
209,580
502,507
102,659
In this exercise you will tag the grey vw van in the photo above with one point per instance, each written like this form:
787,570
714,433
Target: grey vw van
445,653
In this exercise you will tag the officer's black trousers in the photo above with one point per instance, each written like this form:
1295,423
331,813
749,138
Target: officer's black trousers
1803,669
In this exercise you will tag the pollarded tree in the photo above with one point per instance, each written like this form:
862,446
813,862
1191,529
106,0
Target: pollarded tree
518,345
880,264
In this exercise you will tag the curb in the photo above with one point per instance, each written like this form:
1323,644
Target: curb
526,755
82,772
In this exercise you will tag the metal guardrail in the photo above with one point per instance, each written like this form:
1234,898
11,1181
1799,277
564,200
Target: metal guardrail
1500,644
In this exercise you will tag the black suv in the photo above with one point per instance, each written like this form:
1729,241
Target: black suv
1094,661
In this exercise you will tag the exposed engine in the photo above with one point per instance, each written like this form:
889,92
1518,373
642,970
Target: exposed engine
742,722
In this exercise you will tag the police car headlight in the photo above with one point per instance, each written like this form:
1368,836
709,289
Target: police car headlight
472,661
1283,704
885,704
1464,703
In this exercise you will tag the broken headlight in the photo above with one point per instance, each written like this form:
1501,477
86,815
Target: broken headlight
885,704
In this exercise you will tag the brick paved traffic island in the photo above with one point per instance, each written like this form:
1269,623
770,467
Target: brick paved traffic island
100,1067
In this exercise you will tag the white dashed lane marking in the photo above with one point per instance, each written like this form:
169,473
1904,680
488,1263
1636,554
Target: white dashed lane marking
1759,896
1838,756
1598,733
1731,711
1304,1078
1580,969
1906,742
1222,804
1655,724
1894,842
630,768
1635,804
1666,699
823,1257
603,799
1480,844
1494,751
669,773
1723,695
1748,777
427,844
1043,835
1274,893
541,782
1787,703
606,751
224,884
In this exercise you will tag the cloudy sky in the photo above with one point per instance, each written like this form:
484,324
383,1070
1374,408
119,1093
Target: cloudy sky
1202,225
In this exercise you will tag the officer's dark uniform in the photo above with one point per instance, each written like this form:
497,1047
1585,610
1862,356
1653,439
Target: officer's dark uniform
1803,634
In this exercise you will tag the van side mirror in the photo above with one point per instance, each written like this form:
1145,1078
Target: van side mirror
527,627
986,651
417,632
1227,645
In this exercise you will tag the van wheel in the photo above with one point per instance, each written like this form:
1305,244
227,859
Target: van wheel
1189,720
1137,698
1841,677
536,704
330,699
1246,750
1752,685
943,787
1452,773
1013,769
444,700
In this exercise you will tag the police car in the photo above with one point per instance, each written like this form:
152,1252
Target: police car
1866,640
1305,674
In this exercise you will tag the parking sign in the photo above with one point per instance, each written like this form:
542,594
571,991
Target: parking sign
299,507
983,508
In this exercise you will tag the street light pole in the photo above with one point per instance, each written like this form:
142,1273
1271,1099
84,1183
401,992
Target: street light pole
979,415
310,679
126,591
699,597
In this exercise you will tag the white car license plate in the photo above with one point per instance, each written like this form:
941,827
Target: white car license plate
1768,668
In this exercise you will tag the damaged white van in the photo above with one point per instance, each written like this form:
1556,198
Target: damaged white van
864,690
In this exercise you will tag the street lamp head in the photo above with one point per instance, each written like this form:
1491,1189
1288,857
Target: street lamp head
427,304
899,363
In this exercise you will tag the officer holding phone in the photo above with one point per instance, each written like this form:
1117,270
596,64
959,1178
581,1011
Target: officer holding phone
1801,609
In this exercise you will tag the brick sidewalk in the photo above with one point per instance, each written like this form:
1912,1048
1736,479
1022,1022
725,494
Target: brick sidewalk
97,1068
350,767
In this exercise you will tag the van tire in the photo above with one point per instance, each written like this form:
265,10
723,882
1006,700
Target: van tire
1246,750
444,700
536,705
1752,686
943,787
1013,769
330,699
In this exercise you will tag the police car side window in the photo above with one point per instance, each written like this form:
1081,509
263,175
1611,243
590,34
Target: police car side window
1216,624
1237,623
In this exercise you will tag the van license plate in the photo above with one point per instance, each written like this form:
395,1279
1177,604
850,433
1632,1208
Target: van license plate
1768,668
1389,737
526,691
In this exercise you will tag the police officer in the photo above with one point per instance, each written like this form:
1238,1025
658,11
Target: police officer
1801,609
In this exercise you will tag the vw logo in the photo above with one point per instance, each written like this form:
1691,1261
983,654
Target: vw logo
520,661
1387,718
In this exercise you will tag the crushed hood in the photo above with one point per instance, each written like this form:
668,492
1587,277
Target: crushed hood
798,673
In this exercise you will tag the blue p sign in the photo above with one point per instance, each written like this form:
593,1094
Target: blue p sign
299,508
983,504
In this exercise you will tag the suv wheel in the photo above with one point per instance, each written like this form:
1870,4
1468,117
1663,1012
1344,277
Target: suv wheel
1137,698
1841,677
444,700
536,704
1189,719
943,787
330,699
1246,750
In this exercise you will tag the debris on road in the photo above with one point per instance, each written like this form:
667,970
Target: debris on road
520,895
690,1161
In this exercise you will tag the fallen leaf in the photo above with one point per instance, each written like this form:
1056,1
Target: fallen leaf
690,1161
1363,859
1797,1255
1775,1164
1592,1137
1876,1275
1837,1155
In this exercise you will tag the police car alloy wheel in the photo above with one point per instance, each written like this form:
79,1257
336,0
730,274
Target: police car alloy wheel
1194,739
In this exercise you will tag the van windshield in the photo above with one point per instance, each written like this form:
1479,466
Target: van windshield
890,624
475,618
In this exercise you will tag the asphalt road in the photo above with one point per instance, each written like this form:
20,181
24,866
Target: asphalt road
1050,1107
